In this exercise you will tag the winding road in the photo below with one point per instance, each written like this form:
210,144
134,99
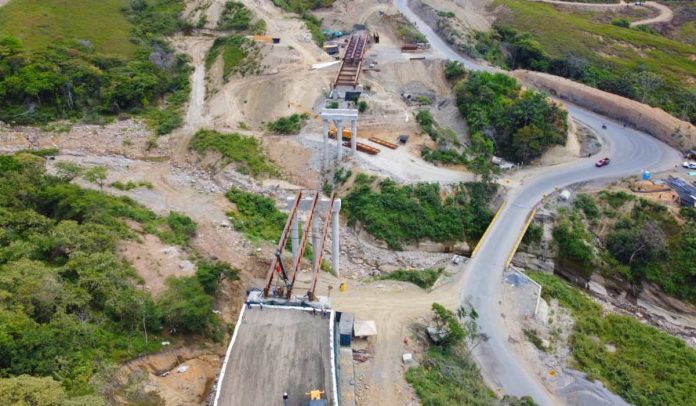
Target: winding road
631,152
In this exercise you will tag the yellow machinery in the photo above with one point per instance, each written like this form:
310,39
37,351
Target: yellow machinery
345,134
315,398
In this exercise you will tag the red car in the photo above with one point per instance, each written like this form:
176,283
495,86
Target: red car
602,162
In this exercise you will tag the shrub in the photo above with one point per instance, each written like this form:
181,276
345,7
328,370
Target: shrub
244,152
454,70
256,216
234,16
423,100
208,274
288,125
534,234
183,228
573,241
423,278
586,203
615,199
362,106
620,22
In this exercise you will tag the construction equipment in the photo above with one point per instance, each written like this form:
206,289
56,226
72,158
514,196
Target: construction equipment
363,148
383,143
331,49
315,398
345,134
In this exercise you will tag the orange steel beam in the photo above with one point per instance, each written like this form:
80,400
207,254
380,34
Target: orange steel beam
320,254
300,252
281,243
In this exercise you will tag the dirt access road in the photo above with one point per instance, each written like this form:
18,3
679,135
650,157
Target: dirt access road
665,13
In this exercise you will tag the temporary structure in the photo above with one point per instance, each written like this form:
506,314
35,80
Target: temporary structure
365,328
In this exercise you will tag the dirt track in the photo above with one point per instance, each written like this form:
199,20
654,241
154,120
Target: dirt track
665,13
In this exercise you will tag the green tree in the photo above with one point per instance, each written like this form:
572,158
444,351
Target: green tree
480,155
96,174
448,323
186,306
68,170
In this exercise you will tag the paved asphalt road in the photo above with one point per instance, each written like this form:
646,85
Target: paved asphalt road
631,152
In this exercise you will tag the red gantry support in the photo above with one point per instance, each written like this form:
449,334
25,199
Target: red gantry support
281,244
300,252
319,251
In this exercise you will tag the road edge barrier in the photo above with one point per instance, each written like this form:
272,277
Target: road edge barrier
490,225
530,217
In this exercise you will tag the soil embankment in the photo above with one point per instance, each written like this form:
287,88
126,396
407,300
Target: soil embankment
655,121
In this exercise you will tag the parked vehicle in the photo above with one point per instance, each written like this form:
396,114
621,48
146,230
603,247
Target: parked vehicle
689,165
602,162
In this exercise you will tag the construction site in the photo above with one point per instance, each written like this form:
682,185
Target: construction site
313,317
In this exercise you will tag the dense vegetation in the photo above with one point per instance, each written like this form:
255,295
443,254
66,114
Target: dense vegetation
291,124
303,8
523,124
648,367
635,63
72,78
423,278
244,152
256,216
635,241
401,215
70,307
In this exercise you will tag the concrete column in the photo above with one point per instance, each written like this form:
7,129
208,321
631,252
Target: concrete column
353,135
339,139
295,237
325,139
335,243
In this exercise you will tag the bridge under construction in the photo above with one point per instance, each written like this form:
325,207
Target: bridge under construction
352,62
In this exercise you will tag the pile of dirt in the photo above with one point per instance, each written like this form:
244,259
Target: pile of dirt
655,121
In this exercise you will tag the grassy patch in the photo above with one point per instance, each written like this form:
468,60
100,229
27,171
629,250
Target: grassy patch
256,216
244,152
401,215
291,124
239,55
423,278
39,23
649,367
130,185
449,377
